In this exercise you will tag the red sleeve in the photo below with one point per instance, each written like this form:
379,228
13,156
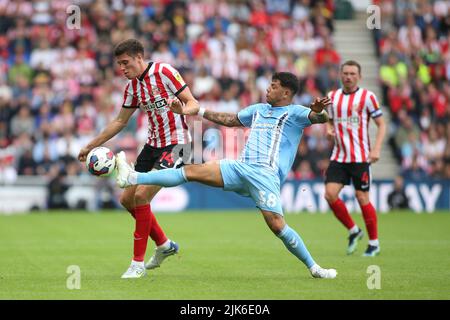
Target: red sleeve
173,78
130,99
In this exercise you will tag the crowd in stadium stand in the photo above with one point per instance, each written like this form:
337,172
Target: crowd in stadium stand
60,86
414,55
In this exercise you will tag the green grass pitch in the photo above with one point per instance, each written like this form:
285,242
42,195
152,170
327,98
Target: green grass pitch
223,255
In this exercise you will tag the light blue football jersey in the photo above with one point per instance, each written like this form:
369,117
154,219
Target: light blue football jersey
274,136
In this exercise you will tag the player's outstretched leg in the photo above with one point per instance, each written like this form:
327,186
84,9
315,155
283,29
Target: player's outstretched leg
294,243
126,176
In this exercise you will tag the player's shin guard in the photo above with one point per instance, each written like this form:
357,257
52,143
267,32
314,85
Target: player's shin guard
156,233
164,178
341,213
370,219
295,245
141,232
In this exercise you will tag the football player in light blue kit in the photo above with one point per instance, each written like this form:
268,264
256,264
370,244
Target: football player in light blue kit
276,129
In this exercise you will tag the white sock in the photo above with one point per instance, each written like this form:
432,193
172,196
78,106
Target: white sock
132,178
314,267
165,245
354,229
137,263
375,242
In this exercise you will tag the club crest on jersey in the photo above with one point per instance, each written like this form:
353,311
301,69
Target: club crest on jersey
156,91
356,108
179,78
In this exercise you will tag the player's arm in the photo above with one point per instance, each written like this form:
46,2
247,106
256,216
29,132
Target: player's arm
374,154
113,128
191,105
222,118
318,113
172,78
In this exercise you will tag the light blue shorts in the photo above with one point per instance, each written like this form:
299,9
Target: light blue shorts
258,182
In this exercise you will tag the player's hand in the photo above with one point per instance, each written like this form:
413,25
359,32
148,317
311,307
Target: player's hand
319,104
374,156
83,154
176,106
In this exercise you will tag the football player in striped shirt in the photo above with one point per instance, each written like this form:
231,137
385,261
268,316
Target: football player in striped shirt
150,87
351,109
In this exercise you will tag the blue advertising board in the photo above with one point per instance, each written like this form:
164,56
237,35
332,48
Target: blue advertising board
308,196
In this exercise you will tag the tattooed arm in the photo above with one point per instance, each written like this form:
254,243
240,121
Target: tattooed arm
318,113
223,118
321,117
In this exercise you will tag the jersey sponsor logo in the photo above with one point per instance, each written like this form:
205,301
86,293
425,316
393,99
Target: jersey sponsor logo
348,119
153,133
158,106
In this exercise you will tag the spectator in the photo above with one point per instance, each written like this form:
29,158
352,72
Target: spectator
19,69
57,188
416,35
327,55
23,122
304,171
414,172
398,199
392,74
27,165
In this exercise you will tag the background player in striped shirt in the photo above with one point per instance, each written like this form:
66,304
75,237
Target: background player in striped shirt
351,109
150,88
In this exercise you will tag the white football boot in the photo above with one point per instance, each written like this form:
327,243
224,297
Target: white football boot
319,272
136,270
124,171
161,254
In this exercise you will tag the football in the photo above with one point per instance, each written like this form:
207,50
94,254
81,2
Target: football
101,162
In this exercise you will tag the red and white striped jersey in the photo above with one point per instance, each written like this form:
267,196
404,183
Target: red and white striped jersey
351,113
150,92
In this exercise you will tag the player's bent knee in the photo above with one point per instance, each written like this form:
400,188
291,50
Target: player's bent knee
275,222
276,228
145,194
362,197
127,201
141,198
331,197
